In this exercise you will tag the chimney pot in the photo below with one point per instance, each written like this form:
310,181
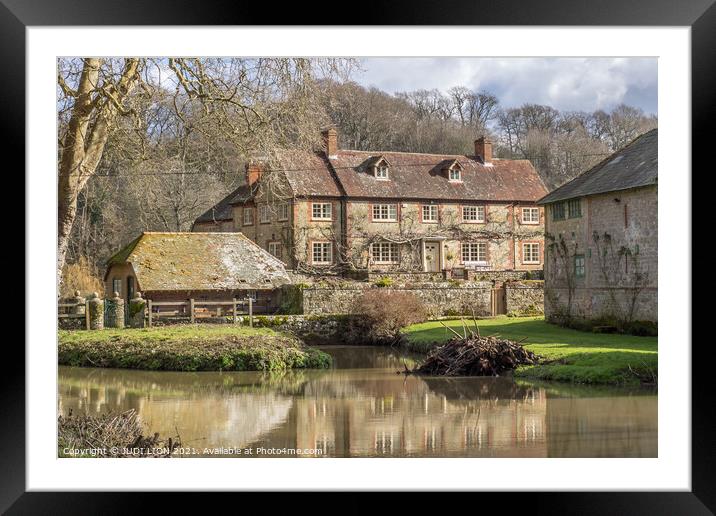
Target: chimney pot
483,149
253,172
330,141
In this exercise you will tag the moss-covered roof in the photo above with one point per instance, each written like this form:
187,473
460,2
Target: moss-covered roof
200,261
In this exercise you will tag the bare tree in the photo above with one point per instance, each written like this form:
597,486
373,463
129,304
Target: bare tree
254,105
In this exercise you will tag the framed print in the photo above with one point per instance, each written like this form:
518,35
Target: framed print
411,256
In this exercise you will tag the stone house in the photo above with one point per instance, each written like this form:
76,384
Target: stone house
385,211
202,266
601,238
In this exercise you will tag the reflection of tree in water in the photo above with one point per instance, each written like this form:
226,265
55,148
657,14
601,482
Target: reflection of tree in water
370,357
480,389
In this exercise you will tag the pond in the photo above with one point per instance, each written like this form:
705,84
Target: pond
363,408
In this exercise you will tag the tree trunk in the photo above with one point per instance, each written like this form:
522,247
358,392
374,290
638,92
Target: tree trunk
94,110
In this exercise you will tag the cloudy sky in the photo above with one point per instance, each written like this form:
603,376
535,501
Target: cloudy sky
583,84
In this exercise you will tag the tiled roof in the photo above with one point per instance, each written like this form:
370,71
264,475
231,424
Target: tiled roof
633,166
411,176
200,261
422,176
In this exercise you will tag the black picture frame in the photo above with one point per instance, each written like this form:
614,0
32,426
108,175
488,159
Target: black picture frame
700,15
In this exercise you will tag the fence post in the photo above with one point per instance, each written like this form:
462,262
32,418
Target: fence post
96,311
87,319
191,310
234,303
137,309
149,306
115,311
251,312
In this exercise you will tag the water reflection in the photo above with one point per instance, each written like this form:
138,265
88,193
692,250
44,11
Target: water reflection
362,408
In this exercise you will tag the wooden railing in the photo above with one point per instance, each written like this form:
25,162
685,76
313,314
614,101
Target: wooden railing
69,315
199,309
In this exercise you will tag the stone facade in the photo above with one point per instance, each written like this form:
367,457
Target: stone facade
409,220
606,259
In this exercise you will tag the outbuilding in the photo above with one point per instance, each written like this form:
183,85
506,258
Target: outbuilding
200,266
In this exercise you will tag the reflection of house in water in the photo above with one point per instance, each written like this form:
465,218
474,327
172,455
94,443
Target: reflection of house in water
404,417
371,412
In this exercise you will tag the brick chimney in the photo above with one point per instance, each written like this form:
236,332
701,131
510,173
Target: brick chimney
483,149
253,172
330,141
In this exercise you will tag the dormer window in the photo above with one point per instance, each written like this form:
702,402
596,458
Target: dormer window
455,173
379,167
453,170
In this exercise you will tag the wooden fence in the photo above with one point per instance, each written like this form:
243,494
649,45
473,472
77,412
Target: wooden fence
192,308
195,309
67,311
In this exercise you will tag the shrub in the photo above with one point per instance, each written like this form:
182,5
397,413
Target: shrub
385,281
641,328
383,314
80,276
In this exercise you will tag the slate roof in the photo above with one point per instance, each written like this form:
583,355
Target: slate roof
422,176
223,210
633,166
200,261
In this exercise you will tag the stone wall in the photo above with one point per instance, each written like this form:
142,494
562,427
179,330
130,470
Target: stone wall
524,297
440,298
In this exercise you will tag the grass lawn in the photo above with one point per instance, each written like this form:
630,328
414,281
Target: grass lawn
574,355
188,347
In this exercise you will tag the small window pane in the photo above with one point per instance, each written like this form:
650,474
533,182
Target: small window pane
321,210
474,252
558,211
530,215
385,212
384,252
530,253
579,266
264,214
430,213
248,216
473,213
322,252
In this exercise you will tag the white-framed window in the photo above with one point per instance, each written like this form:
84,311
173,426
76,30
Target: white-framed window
530,215
381,171
385,212
530,252
430,213
474,252
275,249
384,252
473,214
264,214
322,252
117,286
283,211
321,211
455,174
248,216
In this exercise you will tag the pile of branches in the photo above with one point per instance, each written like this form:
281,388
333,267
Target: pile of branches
473,355
110,435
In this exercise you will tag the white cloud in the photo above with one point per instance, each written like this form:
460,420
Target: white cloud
564,83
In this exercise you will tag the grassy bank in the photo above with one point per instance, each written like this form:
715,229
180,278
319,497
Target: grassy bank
188,348
568,355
